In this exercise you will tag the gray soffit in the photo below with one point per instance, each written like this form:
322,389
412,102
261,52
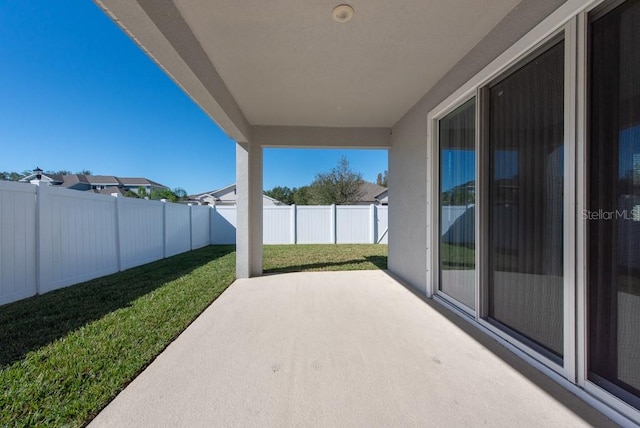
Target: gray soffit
286,63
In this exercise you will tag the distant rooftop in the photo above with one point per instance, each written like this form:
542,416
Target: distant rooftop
72,180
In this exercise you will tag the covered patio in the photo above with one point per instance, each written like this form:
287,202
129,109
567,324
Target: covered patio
339,349
531,107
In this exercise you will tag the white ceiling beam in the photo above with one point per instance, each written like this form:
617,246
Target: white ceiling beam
321,137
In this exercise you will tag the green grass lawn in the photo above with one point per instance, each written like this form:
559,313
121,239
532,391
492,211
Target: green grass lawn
457,257
64,355
323,257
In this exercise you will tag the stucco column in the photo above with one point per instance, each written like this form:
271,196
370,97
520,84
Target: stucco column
248,210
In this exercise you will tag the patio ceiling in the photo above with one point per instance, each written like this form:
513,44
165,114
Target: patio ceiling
288,63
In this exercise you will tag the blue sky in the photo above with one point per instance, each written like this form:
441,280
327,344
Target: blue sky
77,93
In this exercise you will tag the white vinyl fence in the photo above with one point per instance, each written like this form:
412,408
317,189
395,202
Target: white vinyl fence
52,237
309,224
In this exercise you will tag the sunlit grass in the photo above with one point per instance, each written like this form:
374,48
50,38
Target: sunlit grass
64,355
67,353
304,258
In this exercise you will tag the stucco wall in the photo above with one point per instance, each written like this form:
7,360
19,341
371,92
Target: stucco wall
408,153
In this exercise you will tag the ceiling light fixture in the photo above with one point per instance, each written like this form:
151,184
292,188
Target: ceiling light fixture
342,13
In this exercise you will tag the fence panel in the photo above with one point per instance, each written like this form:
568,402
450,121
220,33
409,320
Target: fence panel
177,230
141,226
78,237
314,225
200,226
53,237
277,227
382,230
450,214
353,224
17,241
223,225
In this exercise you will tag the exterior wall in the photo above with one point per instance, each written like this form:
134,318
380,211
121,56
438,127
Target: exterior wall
230,199
408,153
80,186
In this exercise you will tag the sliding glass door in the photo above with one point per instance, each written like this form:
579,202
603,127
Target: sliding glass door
613,214
525,201
457,133
554,132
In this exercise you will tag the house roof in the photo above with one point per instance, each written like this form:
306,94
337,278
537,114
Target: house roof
54,178
218,193
70,180
371,192
95,180
215,193
103,179
288,63
138,181
109,191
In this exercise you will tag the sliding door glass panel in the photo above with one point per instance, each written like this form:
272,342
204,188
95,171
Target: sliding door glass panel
526,138
613,214
457,133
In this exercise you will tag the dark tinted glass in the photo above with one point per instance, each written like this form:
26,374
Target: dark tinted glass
526,141
613,214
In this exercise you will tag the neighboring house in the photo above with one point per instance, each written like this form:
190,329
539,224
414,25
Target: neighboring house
106,184
545,92
373,194
227,196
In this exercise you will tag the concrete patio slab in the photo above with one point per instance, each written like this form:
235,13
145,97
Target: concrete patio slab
338,349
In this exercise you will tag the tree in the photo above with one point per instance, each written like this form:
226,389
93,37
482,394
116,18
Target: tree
61,172
180,193
157,194
12,176
175,195
301,195
15,176
340,186
282,194
383,179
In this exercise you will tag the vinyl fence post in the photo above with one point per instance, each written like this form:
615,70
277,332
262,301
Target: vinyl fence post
39,208
372,224
190,227
294,225
334,226
164,228
118,202
212,220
